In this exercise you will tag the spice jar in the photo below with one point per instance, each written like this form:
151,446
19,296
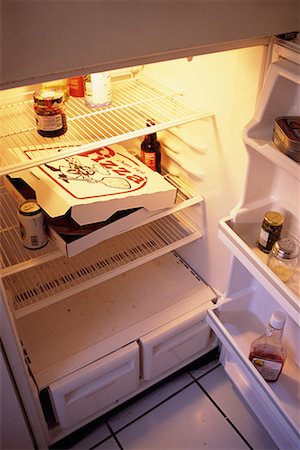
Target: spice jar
50,114
270,230
283,258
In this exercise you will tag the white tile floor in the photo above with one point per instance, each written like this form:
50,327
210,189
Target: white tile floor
197,409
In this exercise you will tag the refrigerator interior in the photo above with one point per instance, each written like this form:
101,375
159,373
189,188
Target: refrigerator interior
165,272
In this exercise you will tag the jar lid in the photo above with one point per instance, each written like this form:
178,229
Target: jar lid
46,96
277,320
286,248
274,218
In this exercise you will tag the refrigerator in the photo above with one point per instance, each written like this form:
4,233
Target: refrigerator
88,323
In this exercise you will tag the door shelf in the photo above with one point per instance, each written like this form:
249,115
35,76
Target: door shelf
134,101
241,238
265,146
237,322
280,97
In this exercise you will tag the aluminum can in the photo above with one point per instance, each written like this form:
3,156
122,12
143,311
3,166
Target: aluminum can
286,136
32,225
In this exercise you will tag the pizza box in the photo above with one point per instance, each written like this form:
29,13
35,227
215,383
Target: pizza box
70,237
93,186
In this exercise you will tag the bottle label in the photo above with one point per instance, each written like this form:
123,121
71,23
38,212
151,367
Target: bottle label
270,370
149,159
49,123
263,237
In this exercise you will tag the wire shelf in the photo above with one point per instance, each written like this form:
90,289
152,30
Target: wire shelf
47,283
134,101
15,258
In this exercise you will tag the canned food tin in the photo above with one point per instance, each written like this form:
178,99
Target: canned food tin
286,136
32,225
270,230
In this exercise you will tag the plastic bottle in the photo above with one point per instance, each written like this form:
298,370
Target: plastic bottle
267,352
76,86
97,89
150,150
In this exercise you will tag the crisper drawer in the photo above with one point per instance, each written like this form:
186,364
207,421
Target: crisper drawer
173,343
95,386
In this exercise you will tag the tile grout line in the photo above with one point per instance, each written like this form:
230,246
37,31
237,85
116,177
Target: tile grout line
112,435
194,380
223,414
156,406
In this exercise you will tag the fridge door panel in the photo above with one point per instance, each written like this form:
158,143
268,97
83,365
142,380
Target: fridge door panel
237,322
266,412
173,343
95,386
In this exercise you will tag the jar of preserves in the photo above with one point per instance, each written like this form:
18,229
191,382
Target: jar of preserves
270,230
50,114
283,260
61,85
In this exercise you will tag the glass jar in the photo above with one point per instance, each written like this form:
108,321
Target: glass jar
60,85
50,114
270,230
283,259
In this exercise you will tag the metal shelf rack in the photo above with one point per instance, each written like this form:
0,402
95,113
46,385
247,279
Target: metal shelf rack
134,101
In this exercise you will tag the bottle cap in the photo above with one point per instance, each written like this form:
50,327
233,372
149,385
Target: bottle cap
285,248
277,320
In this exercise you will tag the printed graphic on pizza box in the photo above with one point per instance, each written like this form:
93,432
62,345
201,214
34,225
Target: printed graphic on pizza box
97,173
98,183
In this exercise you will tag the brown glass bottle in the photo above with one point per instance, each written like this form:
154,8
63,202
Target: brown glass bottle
151,150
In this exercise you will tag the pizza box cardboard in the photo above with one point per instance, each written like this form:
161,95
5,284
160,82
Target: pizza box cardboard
96,184
71,238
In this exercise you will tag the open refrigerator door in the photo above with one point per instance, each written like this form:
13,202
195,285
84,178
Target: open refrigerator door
254,291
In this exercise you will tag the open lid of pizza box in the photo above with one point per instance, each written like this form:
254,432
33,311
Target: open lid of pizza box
96,184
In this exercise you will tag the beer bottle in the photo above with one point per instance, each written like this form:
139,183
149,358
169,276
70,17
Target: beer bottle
150,150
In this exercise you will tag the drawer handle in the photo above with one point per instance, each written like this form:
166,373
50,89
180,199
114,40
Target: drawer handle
98,384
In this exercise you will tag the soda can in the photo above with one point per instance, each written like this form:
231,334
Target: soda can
32,225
